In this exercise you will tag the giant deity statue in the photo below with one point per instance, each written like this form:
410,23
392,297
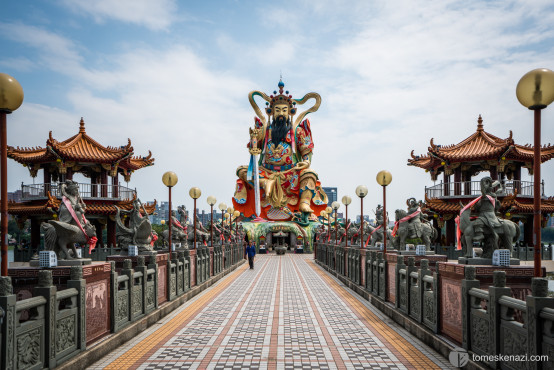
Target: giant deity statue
486,227
281,185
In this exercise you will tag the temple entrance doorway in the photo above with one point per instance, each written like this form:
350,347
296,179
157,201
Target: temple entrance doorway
281,239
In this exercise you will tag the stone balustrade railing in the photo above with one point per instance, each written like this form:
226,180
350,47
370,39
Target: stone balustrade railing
492,321
51,327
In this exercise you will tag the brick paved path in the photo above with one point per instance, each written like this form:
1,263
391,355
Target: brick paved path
287,313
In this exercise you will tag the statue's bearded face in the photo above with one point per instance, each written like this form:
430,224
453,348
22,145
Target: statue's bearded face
281,123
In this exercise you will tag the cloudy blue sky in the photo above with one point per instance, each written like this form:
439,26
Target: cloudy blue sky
174,77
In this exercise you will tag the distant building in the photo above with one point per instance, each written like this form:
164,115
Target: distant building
15,196
331,194
366,218
161,213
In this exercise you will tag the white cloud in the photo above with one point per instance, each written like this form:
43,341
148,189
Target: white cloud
155,15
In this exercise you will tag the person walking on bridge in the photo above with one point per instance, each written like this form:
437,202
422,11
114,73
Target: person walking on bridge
251,252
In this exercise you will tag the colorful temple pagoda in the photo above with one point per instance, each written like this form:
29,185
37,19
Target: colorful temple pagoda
481,152
59,161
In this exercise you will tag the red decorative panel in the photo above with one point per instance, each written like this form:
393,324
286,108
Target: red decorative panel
391,277
451,308
162,279
98,309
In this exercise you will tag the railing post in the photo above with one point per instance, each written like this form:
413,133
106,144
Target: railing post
76,281
128,270
7,329
47,289
468,283
535,303
497,290
399,266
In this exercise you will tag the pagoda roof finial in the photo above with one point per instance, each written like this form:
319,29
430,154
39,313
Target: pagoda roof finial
479,123
82,126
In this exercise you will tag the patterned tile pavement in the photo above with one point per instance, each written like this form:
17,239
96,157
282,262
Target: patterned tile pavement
287,313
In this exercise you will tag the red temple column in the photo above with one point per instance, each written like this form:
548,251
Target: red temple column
466,178
93,185
450,232
517,179
35,233
528,231
47,181
458,181
111,233
115,187
494,173
446,184
104,184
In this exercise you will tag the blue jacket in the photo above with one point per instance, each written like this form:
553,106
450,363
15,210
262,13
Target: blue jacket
250,251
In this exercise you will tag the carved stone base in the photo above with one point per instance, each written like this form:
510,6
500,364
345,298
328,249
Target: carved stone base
280,250
149,253
483,261
75,262
413,253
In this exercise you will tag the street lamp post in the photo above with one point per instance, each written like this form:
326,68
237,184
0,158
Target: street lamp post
336,206
162,222
195,193
230,211
361,192
170,180
211,201
535,90
11,97
384,178
346,200
329,211
222,207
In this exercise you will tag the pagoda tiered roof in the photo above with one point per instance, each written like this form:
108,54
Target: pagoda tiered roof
480,146
510,203
94,207
80,148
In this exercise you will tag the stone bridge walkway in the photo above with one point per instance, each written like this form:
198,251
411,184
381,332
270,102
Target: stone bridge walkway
287,313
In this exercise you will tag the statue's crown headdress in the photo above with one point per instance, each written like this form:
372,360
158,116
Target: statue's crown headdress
280,99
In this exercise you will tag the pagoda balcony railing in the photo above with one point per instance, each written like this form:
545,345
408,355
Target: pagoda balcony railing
87,191
472,189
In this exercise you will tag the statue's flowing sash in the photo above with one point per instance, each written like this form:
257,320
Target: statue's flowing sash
457,220
178,224
404,219
91,241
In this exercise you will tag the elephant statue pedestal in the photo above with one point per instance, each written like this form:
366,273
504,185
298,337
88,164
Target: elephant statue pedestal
65,263
412,253
483,261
